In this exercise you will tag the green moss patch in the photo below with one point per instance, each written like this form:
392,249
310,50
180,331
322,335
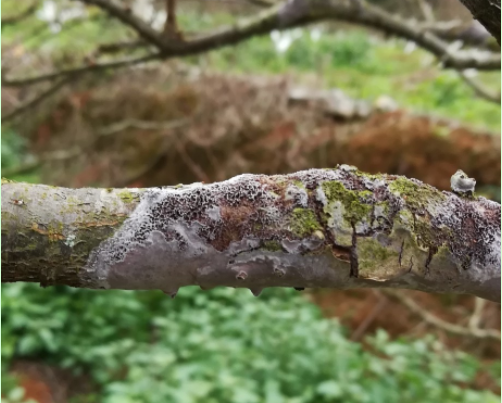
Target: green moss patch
127,196
415,195
352,200
371,254
272,246
304,222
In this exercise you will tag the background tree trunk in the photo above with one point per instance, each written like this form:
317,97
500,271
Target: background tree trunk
487,12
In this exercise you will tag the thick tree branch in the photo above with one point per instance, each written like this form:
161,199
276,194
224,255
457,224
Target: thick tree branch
125,15
80,70
300,12
332,228
473,34
283,16
487,12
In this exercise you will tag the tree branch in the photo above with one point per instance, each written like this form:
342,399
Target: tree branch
282,16
109,130
333,228
261,3
433,320
487,12
80,70
35,101
480,91
115,47
377,18
125,15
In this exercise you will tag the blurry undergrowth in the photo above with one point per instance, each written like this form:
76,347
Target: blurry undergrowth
224,346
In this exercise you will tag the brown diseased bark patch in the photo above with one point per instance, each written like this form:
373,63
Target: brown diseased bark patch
237,224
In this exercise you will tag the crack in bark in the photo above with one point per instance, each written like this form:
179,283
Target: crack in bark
401,253
354,263
432,251
338,251
372,220
411,265
341,252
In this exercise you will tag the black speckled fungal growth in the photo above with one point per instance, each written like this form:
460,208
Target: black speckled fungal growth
337,228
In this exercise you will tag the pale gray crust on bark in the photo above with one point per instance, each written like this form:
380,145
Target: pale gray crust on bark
330,228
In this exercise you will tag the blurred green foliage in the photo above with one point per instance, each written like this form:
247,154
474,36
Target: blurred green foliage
363,64
366,67
13,148
224,346
14,152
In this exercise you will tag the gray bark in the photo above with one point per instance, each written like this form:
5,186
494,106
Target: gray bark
487,12
330,228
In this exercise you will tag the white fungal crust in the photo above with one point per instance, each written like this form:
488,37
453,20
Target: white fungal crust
242,233
461,183
177,236
475,234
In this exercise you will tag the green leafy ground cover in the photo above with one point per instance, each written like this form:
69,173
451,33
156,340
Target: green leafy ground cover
224,346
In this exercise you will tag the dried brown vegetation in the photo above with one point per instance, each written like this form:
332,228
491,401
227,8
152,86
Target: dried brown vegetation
155,127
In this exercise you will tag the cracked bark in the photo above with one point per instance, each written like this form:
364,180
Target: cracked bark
326,228
487,12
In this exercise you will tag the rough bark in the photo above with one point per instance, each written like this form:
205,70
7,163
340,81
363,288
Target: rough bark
487,12
331,228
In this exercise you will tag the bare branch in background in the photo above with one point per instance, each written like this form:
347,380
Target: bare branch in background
475,319
35,101
170,25
369,319
109,130
117,47
479,89
261,3
282,16
471,331
196,169
473,34
143,125
79,70
125,15
426,10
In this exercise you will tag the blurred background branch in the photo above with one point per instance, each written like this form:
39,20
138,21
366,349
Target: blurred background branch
275,17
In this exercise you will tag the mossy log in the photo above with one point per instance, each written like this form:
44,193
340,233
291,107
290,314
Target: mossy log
324,228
